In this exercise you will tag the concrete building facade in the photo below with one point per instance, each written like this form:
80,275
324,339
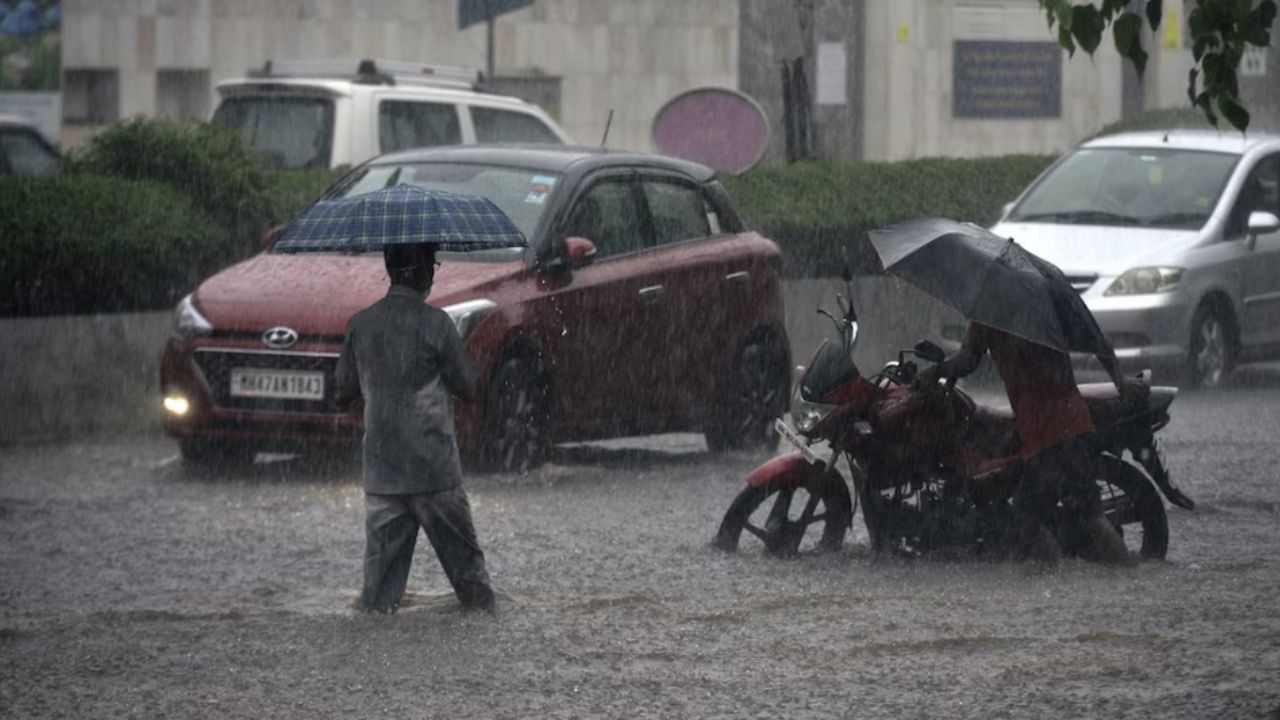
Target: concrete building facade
885,79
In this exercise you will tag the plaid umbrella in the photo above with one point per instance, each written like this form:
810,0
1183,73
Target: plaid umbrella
401,215
991,280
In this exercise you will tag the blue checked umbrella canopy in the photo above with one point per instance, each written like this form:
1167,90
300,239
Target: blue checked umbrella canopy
401,215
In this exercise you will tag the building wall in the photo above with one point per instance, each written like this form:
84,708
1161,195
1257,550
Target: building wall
629,56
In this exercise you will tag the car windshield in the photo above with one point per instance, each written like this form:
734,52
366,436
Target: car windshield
1129,186
522,193
289,132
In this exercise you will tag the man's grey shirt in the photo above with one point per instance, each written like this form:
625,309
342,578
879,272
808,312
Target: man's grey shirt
406,359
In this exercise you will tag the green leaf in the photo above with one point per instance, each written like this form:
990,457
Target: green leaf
1234,112
1125,33
1087,26
1155,11
1064,39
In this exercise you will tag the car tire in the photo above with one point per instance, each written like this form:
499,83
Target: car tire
758,394
1211,350
214,454
517,417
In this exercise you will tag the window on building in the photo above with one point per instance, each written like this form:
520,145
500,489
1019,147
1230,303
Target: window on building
182,95
405,124
90,97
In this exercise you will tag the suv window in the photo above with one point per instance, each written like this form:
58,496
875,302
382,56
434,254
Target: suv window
609,216
406,124
493,126
678,211
25,154
290,132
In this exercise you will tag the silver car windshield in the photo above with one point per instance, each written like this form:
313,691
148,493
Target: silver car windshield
1168,188
522,193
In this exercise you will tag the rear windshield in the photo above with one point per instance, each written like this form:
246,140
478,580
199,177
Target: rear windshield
289,132
1148,187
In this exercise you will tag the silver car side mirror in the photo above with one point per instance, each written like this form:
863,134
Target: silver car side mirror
1261,223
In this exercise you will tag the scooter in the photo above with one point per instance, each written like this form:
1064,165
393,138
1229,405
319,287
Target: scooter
932,468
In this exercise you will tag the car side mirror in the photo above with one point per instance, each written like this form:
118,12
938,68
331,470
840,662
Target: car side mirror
1261,223
578,251
926,350
270,237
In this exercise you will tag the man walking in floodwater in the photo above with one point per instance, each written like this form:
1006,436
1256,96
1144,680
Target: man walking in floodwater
406,360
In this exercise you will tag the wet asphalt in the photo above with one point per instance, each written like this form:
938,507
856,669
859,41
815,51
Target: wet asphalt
132,585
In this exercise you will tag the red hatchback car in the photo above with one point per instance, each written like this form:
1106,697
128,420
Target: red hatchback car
642,305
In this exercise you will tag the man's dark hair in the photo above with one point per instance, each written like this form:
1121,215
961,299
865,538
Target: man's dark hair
408,264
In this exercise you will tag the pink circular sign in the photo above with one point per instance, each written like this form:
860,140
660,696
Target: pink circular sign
718,127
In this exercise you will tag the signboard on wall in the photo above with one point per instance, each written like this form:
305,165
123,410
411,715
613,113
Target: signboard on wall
31,62
1004,79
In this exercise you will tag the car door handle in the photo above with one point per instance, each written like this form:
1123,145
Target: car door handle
651,293
739,277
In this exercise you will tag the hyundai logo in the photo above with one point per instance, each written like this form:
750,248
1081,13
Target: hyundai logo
280,337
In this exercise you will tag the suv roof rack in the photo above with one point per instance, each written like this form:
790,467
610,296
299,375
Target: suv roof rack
375,72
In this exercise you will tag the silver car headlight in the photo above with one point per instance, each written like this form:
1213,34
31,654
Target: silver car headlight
188,322
1146,281
467,315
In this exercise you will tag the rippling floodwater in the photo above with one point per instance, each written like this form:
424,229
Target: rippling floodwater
131,585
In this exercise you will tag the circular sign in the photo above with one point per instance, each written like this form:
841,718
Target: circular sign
718,127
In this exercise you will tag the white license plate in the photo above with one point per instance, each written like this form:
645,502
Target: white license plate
278,384
795,438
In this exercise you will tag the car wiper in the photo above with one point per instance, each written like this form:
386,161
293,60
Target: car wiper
1189,219
1086,217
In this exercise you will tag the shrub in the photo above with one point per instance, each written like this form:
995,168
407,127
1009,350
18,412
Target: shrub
210,165
819,213
81,244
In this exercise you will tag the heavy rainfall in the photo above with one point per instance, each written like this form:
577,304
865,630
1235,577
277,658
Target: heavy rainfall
809,358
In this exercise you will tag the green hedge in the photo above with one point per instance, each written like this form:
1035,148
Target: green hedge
819,213
82,244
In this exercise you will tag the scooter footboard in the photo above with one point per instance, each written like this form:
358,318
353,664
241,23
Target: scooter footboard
787,471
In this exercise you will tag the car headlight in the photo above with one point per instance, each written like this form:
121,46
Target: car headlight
467,315
188,322
1146,281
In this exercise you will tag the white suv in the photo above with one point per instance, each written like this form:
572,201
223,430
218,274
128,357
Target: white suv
329,113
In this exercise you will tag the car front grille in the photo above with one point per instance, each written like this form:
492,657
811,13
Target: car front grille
216,365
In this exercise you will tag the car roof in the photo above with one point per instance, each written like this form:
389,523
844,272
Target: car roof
1226,141
334,87
9,119
552,158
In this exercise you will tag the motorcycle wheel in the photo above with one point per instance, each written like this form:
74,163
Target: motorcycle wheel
784,527
1132,503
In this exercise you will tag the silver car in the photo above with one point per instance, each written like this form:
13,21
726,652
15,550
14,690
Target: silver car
1172,239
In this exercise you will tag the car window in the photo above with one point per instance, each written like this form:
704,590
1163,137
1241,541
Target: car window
26,154
289,132
406,124
1261,192
609,216
678,211
496,126
1153,187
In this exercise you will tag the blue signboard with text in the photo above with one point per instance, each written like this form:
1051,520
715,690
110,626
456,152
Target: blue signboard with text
999,79
471,12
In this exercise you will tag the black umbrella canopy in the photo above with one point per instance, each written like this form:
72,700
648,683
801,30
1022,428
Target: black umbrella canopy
991,280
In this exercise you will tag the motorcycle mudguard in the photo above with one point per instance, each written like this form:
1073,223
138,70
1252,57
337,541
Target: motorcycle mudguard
787,471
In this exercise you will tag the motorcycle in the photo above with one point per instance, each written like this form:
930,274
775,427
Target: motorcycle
932,468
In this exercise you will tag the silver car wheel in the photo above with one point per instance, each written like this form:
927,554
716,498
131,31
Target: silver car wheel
1211,358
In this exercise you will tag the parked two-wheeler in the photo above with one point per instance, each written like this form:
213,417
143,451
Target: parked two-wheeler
932,468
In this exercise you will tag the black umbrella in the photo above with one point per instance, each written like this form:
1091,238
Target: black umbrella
991,280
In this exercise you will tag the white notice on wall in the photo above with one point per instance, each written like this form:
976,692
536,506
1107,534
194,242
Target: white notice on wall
1254,62
832,65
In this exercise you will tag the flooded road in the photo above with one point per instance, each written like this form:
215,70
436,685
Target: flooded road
134,586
